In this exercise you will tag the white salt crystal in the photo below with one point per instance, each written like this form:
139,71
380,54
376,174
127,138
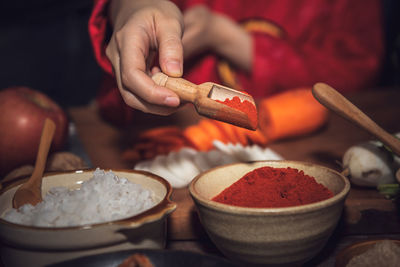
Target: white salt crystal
105,197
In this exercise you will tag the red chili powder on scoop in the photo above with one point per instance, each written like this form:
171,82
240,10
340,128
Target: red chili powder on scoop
269,187
244,106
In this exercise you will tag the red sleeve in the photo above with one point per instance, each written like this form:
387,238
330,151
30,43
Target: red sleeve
112,107
338,42
98,22
343,49
109,100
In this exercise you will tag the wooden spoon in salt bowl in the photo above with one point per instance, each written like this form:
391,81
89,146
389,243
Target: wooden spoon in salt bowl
30,192
336,102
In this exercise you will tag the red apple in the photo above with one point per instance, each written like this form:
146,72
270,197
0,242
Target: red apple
23,111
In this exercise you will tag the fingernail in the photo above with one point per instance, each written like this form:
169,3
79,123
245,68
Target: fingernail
174,68
171,101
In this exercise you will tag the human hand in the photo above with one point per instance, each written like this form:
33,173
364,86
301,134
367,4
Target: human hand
141,28
217,33
198,35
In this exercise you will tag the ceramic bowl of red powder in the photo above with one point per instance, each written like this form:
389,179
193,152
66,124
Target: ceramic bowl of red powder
270,212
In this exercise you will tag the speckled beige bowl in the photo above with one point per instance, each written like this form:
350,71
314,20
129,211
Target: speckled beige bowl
40,246
348,253
290,235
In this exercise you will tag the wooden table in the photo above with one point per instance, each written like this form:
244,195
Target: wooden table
367,214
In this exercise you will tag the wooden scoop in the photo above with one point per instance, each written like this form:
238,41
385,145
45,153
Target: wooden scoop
30,192
204,97
336,102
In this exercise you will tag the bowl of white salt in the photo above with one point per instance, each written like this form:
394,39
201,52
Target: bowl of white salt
85,213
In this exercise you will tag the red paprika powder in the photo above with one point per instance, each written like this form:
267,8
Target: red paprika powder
244,106
269,187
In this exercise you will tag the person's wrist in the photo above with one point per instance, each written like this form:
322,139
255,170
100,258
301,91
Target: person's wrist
215,31
228,38
121,10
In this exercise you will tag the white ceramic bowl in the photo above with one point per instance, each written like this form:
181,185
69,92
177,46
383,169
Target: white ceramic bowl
39,246
290,235
348,253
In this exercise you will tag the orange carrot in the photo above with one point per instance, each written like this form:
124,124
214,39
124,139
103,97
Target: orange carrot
206,131
202,135
211,127
290,113
151,145
287,114
160,131
229,131
131,155
242,139
198,138
172,140
256,137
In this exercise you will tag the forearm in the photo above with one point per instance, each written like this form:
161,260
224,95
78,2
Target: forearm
232,42
119,10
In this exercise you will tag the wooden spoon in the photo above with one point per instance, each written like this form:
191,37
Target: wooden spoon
30,192
204,96
336,102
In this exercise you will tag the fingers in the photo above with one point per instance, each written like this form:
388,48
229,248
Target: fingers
135,101
136,87
196,39
131,52
135,78
169,36
144,106
155,70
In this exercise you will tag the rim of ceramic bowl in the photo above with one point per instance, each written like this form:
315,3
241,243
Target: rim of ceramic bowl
270,211
161,209
344,256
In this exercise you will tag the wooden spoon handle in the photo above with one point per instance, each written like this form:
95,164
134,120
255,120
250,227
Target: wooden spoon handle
336,102
44,147
30,192
186,90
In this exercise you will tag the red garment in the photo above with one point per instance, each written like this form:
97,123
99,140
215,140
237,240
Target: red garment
339,42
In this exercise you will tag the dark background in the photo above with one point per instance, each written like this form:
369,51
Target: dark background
45,44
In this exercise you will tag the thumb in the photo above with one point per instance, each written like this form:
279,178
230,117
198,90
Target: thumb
171,48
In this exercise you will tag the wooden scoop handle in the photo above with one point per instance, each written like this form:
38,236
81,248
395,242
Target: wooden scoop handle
30,192
186,90
46,139
336,102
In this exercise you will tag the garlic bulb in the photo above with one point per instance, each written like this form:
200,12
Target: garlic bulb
369,164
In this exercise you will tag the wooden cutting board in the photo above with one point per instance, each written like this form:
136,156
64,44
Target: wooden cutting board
365,209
